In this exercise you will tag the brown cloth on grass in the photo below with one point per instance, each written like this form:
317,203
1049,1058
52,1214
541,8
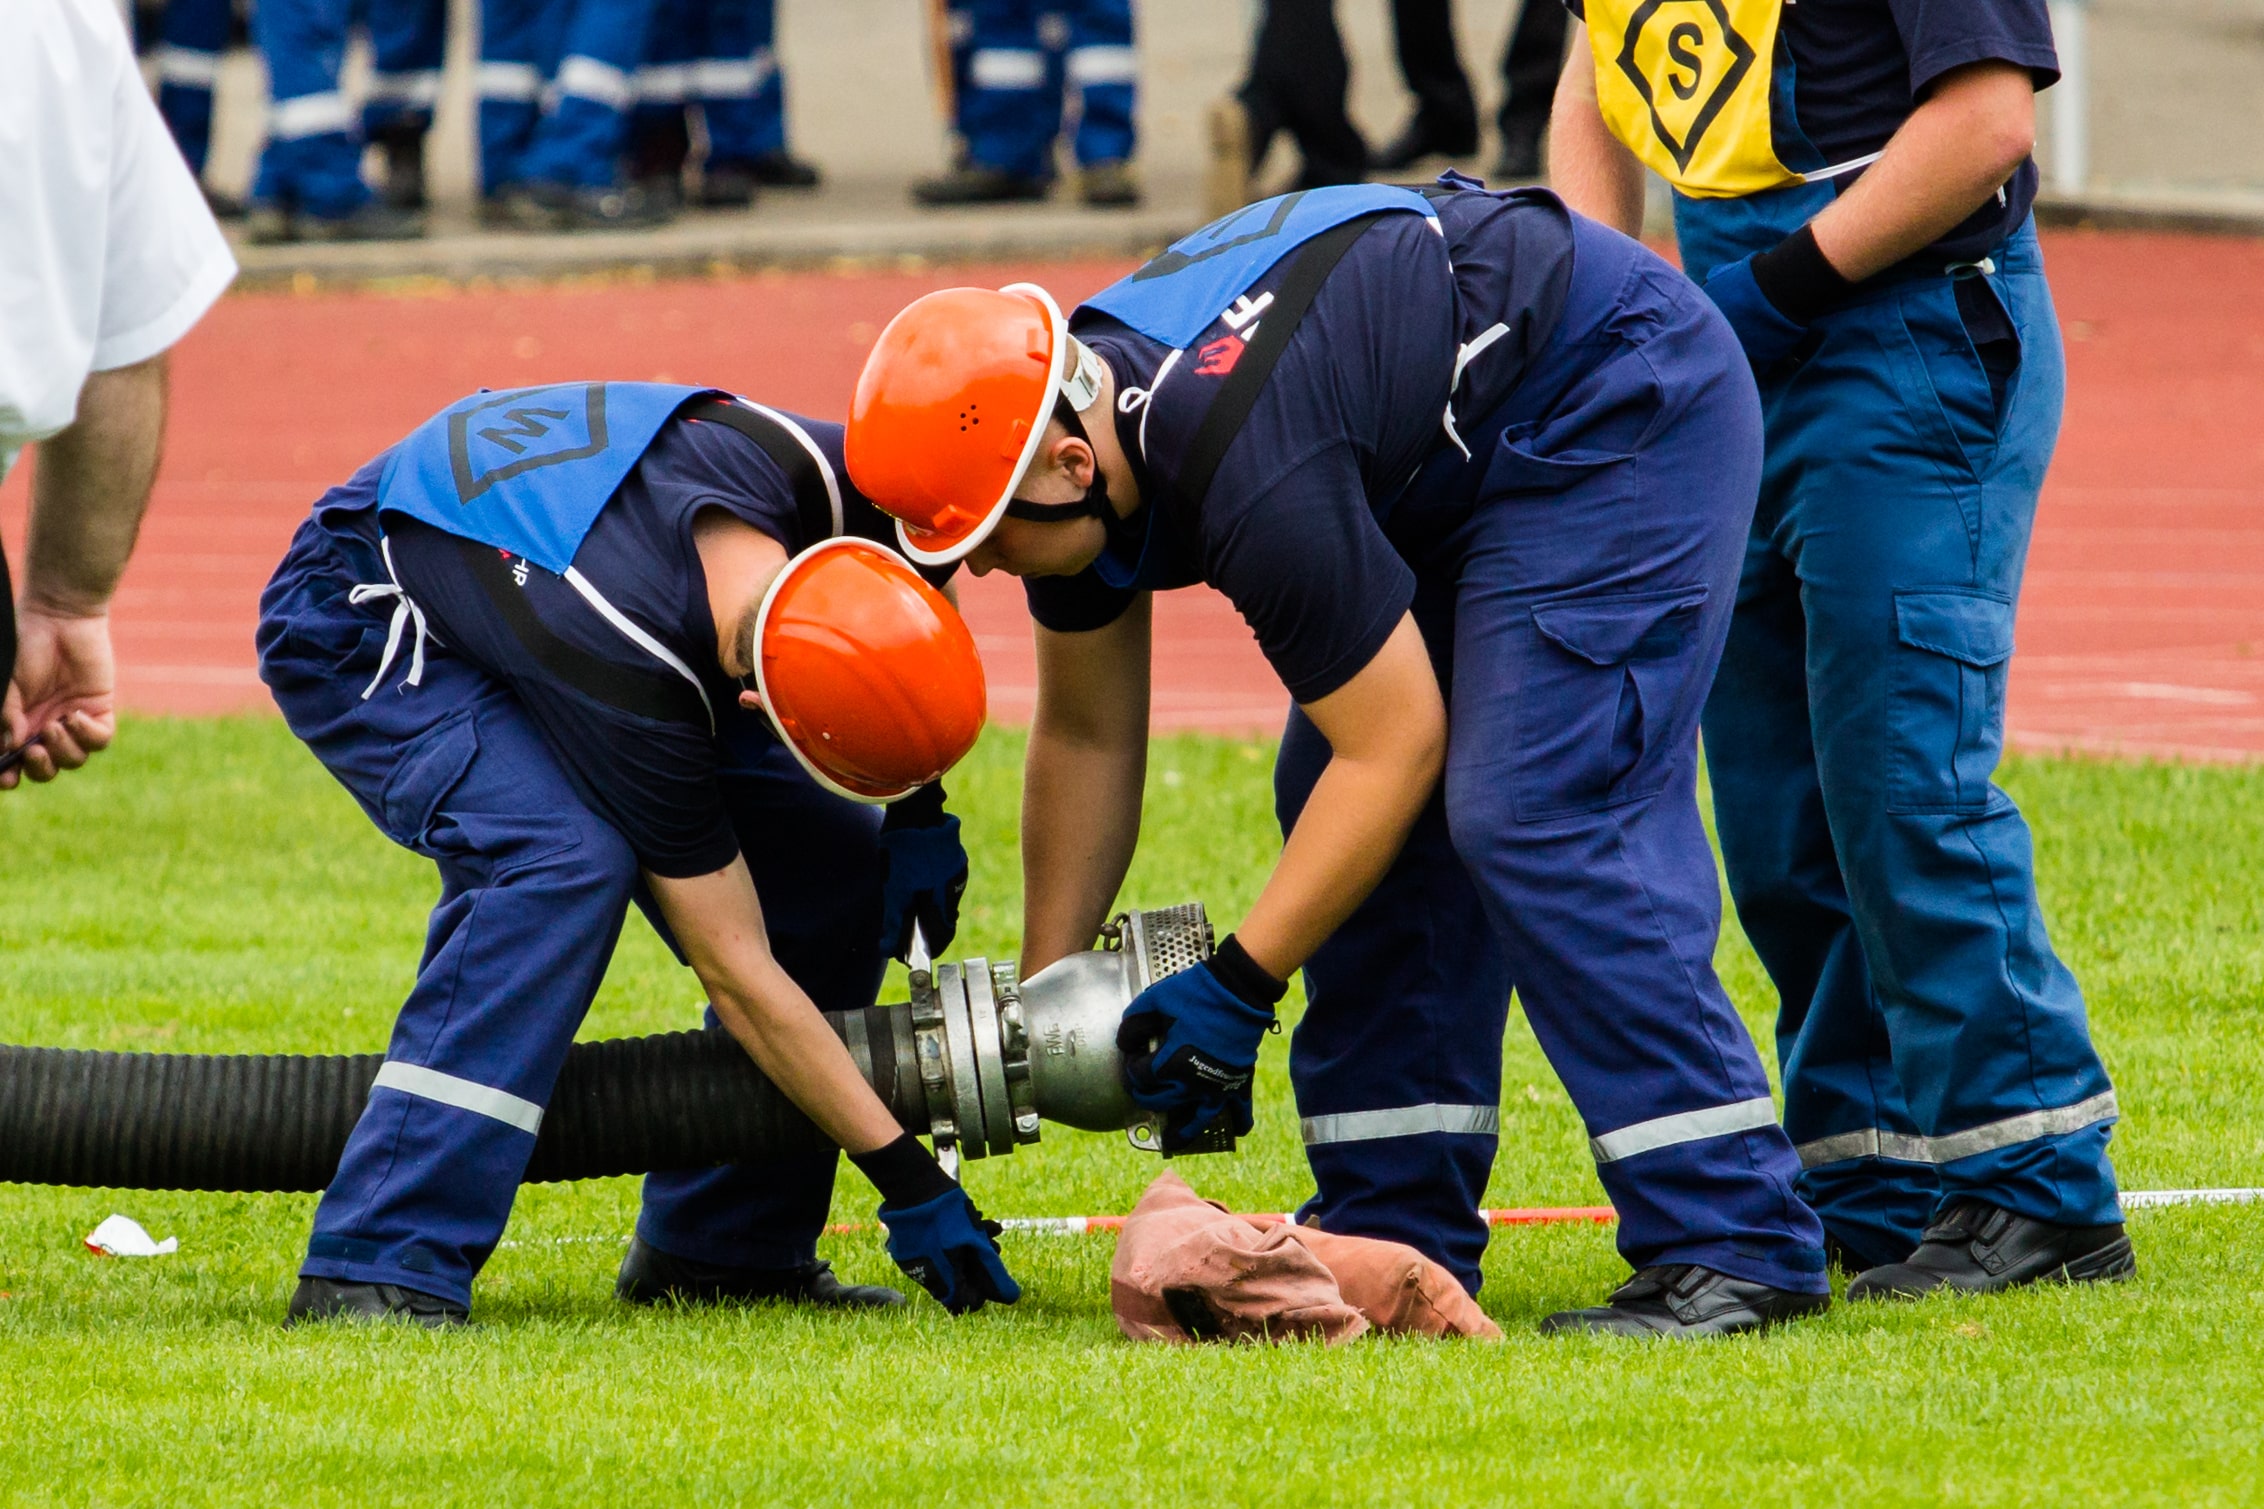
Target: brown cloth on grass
1188,1269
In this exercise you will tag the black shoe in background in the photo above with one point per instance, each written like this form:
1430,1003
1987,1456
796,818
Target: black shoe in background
1108,186
335,1299
782,170
648,1276
223,206
973,184
1519,158
1419,140
403,150
1685,1300
725,188
1978,1248
605,207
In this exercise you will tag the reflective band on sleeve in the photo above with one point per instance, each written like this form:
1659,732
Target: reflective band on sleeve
509,81
590,79
463,1094
638,637
1685,1126
185,65
309,115
1400,1121
419,88
1103,65
2029,1126
1000,68
663,83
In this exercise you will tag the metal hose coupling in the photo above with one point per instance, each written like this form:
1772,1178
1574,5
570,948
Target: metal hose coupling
997,1056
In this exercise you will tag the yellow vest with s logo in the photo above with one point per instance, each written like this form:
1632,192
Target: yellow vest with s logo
1686,84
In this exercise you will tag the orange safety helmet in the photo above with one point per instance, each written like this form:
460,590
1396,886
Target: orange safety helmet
952,405
868,673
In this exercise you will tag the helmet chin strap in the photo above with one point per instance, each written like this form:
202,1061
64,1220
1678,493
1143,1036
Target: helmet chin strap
1079,391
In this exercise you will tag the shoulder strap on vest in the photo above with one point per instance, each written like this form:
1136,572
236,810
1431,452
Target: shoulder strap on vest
1238,395
817,496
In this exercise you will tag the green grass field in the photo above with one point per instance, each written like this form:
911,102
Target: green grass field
206,888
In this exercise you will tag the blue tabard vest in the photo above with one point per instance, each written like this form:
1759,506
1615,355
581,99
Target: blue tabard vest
528,469
1177,293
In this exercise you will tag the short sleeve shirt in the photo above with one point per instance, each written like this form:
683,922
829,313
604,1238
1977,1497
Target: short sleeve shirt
1294,527
654,778
110,253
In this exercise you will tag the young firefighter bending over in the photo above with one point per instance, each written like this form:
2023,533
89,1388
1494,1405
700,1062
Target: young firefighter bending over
523,639
1478,473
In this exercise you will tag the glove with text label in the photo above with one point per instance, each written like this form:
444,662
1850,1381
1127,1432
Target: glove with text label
1772,298
935,1233
1190,1044
924,872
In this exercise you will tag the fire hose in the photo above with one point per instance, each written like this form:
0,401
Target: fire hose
976,1060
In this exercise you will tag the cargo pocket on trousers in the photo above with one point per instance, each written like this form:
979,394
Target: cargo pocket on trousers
433,766
1609,678
1946,699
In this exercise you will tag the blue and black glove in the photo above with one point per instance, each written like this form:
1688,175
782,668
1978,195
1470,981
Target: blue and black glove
924,872
1772,298
935,1233
1190,1044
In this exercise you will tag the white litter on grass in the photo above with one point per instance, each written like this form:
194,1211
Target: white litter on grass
123,1236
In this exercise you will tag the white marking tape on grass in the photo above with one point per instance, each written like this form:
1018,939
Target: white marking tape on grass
2154,1199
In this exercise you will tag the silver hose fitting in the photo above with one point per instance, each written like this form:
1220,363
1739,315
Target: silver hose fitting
978,1059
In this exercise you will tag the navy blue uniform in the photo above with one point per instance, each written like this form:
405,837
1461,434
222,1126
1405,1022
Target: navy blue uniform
1567,535
544,757
1933,1045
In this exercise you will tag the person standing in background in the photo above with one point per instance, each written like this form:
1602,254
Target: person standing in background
1013,65
555,96
310,186
111,256
193,36
720,58
1852,187
1445,123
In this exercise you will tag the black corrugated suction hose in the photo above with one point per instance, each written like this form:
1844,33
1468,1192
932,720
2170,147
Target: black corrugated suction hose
242,1122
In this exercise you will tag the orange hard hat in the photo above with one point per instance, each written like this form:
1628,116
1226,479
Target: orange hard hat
952,405
867,672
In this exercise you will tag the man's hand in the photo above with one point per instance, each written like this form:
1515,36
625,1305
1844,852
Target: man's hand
1190,1044
64,694
926,867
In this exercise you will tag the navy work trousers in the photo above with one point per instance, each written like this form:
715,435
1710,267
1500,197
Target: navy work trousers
1014,62
1575,581
534,887
1934,1046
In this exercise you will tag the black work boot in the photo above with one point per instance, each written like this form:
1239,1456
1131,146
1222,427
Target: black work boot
649,1276
403,148
335,1299
568,207
1687,1300
973,184
1978,1248
782,170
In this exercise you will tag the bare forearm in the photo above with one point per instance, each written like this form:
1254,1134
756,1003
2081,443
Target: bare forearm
1590,168
1954,152
1080,825
90,489
798,1051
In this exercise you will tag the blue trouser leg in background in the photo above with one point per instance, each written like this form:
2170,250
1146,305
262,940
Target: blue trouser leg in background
408,39
816,860
312,161
188,65
1009,100
1933,1044
663,83
533,890
579,140
738,84
1590,551
1104,69
519,43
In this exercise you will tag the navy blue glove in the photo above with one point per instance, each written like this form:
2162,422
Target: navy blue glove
1190,1044
924,873
946,1247
1766,332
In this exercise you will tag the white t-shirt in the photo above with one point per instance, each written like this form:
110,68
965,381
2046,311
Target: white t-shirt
108,253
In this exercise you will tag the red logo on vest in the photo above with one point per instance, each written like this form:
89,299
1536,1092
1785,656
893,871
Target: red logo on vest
1218,358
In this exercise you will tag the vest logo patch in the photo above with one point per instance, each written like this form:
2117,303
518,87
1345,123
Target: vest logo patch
1685,59
506,435
1218,357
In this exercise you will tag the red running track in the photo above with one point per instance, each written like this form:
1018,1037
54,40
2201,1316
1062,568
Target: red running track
2139,632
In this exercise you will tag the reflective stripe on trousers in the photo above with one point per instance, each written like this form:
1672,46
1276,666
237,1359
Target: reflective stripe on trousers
2030,1126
